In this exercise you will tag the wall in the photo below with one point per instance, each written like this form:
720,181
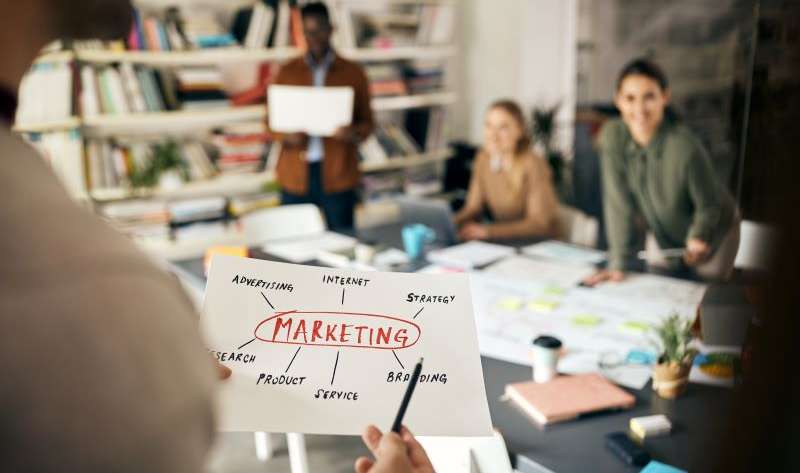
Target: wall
523,50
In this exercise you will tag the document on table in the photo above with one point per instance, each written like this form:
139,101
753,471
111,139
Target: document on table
549,272
329,351
470,255
300,250
317,111
564,252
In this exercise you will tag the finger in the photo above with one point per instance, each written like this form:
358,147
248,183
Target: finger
372,438
223,372
363,464
416,452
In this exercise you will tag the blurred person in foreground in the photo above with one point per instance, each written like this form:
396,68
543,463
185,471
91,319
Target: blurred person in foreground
509,182
655,168
103,365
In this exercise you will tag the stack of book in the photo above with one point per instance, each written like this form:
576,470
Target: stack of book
267,24
388,140
45,94
242,148
386,80
140,219
124,89
176,31
200,88
196,210
387,25
424,76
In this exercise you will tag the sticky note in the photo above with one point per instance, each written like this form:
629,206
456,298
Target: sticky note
634,326
510,303
542,305
554,291
586,320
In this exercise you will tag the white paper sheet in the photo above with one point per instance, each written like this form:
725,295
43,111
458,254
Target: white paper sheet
469,255
317,111
547,272
306,249
565,253
250,305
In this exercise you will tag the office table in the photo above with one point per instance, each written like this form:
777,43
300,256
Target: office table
698,417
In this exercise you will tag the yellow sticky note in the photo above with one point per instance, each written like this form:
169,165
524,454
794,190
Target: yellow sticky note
510,303
542,305
554,291
634,326
586,320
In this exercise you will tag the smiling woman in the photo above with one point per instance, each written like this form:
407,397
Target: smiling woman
654,167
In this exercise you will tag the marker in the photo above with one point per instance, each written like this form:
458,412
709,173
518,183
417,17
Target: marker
398,421
666,253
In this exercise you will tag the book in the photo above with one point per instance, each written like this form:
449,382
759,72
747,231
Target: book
298,38
89,100
567,397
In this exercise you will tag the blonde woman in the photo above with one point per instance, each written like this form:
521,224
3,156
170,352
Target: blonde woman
509,182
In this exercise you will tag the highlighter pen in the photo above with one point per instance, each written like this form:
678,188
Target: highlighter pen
398,421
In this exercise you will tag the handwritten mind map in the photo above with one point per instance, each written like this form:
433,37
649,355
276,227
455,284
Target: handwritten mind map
327,351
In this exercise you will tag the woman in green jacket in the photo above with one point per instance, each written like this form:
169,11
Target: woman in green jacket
656,171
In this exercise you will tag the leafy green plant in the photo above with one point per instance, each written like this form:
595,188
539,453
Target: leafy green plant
542,131
673,337
166,156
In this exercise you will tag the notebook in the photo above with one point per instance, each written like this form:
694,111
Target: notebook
567,397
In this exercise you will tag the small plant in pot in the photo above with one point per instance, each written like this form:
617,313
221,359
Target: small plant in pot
671,374
166,168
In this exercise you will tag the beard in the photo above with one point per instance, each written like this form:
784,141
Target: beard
91,19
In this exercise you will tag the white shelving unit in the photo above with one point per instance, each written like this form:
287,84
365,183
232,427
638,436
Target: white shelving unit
238,55
194,122
187,121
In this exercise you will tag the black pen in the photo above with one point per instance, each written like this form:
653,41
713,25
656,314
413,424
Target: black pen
398,421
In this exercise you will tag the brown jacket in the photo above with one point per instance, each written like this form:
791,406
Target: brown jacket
523,205
340,164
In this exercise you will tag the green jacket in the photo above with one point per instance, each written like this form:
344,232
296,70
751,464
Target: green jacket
670,183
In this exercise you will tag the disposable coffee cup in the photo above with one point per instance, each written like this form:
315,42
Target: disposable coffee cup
544,351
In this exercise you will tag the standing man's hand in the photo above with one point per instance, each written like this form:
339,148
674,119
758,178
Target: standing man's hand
296,140
346,133
393,453
603,276
697,252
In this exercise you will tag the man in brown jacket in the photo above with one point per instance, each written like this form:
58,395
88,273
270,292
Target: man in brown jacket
324,170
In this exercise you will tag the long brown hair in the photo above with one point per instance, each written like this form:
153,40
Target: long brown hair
512,108
516,175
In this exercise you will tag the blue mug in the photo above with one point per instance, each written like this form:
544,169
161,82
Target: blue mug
415,237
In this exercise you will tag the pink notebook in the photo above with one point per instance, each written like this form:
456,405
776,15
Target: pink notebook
567,397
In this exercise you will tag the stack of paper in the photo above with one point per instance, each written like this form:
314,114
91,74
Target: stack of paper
470,255
306,249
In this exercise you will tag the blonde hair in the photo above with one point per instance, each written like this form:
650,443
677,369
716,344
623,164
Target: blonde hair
523,146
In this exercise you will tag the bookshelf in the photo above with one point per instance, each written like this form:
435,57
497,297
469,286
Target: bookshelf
237,55
196,124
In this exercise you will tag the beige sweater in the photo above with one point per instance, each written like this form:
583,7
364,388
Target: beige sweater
522,206
102,363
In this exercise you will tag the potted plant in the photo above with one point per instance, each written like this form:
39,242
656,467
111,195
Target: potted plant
543,132
671,373
166,168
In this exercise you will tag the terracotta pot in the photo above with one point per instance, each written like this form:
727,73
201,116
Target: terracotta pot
670,379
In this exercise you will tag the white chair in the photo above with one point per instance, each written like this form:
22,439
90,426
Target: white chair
282,222
756,244
577,227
